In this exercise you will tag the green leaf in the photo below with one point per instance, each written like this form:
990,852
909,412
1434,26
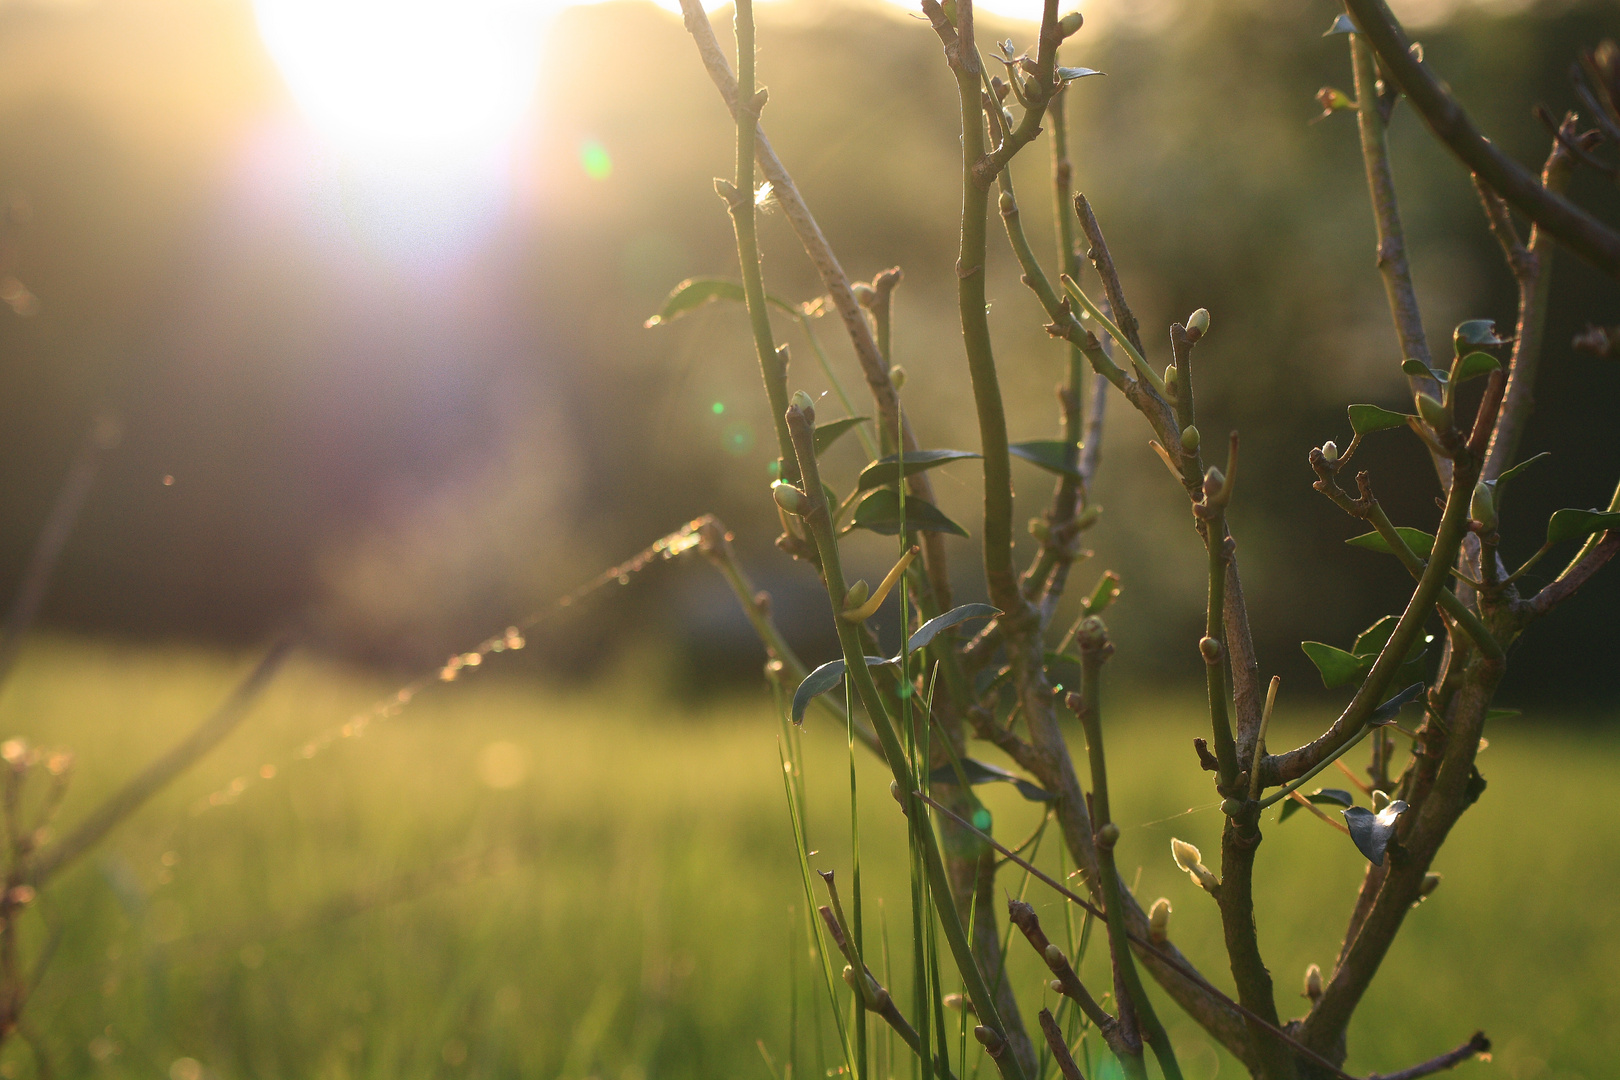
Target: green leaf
1320,797
957,615
880,512
1502,714
1476,364
828,433
1372,832
1389,710
1365,419
1338,667
1413,366
1106,592
1371,641
1046,454
977,772
1474,332
1069,74
881,472
1419,541
693,293
1341,25
1521,466
823,679
1579,524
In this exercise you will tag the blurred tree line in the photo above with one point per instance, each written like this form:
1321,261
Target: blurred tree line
400,411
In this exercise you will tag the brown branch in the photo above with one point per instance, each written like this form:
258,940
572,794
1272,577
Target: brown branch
1165,953
1023,916
1570,581
1531,266
877,997
1393,266
1060,1049
1422,830
1582,233
1469,1050
1098,254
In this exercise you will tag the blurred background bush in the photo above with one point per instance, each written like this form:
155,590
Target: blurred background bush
401,395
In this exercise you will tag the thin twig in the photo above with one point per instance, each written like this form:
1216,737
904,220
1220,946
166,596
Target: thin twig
159,773
36,579
1584,234
1148,946
1060,1049
1469,1050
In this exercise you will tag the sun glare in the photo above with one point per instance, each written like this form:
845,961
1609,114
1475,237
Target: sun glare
426,79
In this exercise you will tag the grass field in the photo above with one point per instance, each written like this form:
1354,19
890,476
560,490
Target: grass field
503,882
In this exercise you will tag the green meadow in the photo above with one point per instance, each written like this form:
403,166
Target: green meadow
506,881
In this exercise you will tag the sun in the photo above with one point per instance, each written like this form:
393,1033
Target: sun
426,79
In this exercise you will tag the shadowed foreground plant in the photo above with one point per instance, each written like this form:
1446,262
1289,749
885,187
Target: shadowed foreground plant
1004,683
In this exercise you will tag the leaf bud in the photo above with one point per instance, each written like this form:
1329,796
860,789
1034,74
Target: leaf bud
1197,324
1330,450
1431,882
1313,983
789,498
865,295
880,999
1007,204
857,594
1482,508
1209,649
1070,24
1189,439
1188,859
20,895
1172,382
805,404
1159,921
897,376
990,1040
1231,807
1434,414
1108,835
1055,985
849,974
1039,529
1380,800
894,790
1054,957
1214,481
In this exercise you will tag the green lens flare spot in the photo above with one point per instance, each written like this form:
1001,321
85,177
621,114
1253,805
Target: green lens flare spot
718,408
594,159
906,690
738,438
774,469
981,819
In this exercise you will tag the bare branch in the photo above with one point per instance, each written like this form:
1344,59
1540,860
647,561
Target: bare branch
1584,234
1469,1050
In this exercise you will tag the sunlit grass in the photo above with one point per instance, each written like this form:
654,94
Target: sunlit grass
508,882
